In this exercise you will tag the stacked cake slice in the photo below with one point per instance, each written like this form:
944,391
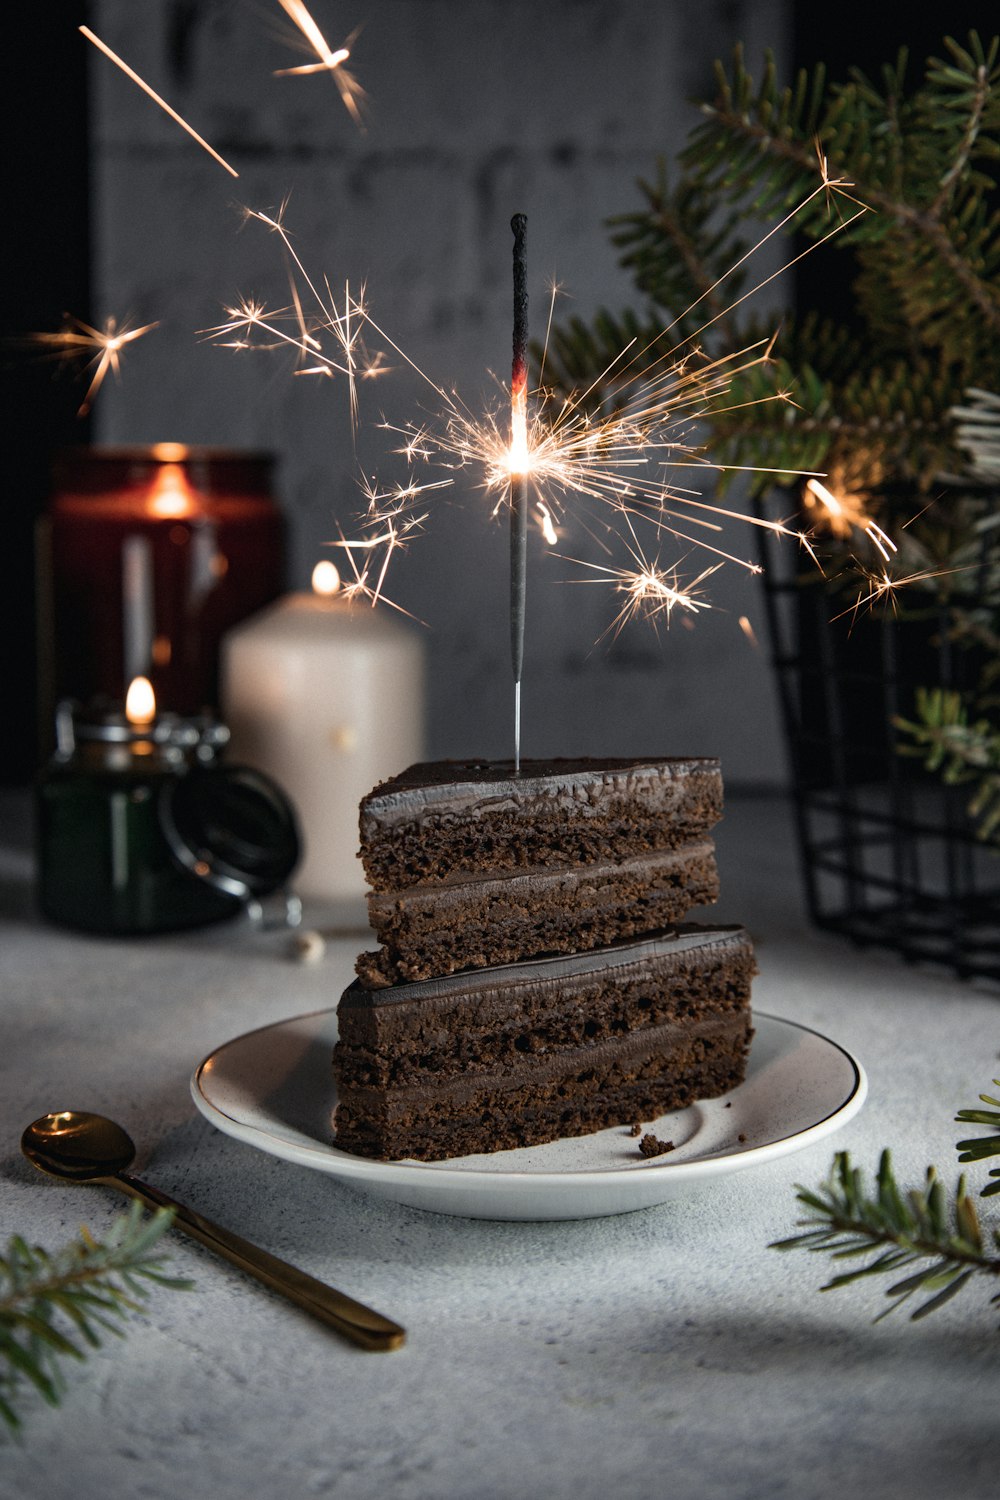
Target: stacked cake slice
510,1001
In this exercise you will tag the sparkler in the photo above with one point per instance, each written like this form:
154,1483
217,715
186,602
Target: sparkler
518,470
130,73
609,467
100,347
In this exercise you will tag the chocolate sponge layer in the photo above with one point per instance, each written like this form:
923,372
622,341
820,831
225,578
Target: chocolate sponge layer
449,818
436,929
525,1053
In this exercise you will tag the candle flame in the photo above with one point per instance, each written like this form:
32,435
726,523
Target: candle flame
140,702
171,497
130,73
325,579
169,453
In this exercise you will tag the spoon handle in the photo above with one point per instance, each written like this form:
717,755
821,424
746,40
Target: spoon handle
361,1324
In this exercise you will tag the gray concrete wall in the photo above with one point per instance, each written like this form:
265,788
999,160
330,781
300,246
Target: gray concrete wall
478,108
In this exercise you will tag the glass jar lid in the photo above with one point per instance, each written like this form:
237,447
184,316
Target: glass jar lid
232,827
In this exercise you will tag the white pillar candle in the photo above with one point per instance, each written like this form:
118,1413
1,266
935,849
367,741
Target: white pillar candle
326,695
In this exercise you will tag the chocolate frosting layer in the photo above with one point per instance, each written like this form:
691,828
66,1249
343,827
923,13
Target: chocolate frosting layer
476,982
435,787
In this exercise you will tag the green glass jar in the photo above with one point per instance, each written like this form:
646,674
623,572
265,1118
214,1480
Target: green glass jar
140,830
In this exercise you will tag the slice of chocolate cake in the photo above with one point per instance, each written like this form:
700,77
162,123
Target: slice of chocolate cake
435,929
450,818
513,1056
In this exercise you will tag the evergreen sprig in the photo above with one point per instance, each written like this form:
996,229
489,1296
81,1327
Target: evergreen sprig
56,1306
980,1148
939,1246
959,750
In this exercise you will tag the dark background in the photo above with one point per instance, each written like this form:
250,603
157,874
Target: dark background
46,197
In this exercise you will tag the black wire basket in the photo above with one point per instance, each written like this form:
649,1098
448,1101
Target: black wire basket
890,856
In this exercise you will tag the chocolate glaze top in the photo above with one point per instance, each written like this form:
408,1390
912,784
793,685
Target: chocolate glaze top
461,783
673,940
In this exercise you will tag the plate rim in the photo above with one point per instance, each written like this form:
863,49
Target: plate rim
337,1162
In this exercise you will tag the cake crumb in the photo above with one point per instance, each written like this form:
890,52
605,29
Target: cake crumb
741,1136
635,1130
651,1146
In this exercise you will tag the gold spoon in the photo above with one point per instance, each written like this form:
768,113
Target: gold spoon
81,1147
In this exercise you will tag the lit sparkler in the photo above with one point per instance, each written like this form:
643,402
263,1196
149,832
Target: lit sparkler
557,456
168,109
100,348
329,60
608,467
518,464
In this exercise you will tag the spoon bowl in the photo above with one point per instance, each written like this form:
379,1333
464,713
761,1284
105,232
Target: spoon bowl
77,1146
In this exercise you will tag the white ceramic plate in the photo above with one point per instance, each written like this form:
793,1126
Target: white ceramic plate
274,1089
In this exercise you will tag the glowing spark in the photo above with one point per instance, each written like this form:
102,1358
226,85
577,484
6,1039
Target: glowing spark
105,344
330,60
545,520
844,513
130,73
343,324
884,586
389,525
749,632
649,590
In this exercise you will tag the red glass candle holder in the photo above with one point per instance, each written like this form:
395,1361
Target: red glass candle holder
147,557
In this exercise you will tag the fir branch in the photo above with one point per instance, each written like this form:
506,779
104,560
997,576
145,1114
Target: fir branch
981,1148
56,1306
939,1248
890,148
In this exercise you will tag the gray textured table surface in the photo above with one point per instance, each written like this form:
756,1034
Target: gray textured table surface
665,1353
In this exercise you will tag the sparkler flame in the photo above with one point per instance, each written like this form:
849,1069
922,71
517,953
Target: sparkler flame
518,458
